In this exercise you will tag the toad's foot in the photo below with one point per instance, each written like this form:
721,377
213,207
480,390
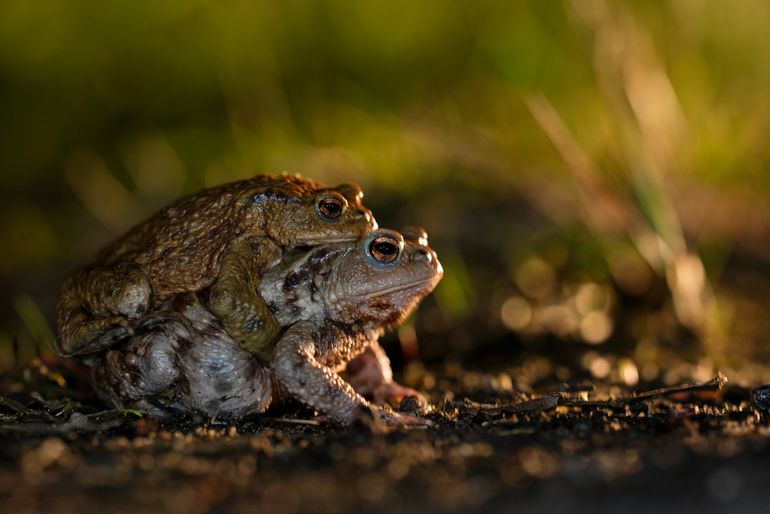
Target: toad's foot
374,415
393,392
92,335
397,419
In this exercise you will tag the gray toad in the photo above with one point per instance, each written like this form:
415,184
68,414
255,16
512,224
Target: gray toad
332,301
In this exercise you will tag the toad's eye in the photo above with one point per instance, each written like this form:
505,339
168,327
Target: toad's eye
385,249
330,207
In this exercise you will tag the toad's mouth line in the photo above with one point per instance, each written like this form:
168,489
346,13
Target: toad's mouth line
417,284
318,242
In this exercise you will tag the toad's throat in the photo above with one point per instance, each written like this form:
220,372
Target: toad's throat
416,284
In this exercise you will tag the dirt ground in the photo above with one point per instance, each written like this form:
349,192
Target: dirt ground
697,448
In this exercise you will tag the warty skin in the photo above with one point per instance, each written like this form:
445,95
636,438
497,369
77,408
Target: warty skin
333,302
224,238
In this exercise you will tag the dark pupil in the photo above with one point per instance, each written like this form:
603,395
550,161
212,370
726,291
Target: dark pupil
331,209
385,248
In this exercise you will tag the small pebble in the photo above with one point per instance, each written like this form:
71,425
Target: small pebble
79,420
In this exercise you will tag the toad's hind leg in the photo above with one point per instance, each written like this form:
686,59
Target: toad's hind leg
370,375
234,299
146,367
96,304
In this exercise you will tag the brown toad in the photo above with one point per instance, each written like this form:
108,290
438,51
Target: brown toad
223,238
334,301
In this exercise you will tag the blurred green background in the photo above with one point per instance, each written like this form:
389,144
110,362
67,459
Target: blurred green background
592,174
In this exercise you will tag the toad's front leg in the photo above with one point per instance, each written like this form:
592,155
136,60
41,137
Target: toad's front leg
295,366
234,298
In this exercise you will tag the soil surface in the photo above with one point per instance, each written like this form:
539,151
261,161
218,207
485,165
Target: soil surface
579,448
